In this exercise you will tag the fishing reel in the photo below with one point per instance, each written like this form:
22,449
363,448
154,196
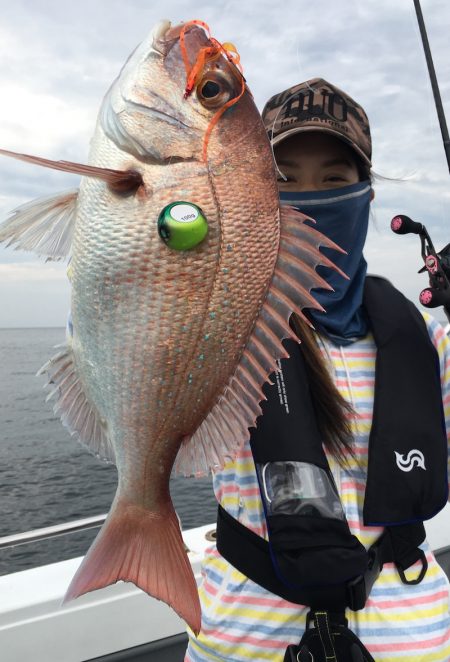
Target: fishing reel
437,264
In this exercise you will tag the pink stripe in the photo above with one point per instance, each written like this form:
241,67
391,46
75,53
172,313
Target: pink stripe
248,491
439,333
349,354
392,604
357,528
266,602
242,639
245,452
356,382
209,588
365,416
410,645
352,484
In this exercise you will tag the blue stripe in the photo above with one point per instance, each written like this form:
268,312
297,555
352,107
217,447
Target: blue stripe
215,577
230,476
256,627
392,631
398,591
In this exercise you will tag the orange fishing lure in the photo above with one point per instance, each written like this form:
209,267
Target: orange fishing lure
207,55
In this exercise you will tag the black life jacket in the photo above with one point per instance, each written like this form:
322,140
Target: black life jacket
316,561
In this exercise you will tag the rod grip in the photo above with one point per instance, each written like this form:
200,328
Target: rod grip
402,224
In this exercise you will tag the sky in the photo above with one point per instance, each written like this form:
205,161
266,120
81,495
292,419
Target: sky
58,58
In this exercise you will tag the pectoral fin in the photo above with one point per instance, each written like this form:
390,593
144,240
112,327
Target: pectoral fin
44,226
120,181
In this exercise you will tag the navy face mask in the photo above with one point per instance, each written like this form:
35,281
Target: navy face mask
342,215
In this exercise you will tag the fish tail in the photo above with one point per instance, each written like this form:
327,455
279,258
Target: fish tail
146,548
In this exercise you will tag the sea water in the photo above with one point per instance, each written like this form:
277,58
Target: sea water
46,477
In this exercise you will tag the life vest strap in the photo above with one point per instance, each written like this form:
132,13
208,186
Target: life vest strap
252,556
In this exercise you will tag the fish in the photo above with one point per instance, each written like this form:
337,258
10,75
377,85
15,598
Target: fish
184,273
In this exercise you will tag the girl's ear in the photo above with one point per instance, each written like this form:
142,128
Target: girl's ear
372,195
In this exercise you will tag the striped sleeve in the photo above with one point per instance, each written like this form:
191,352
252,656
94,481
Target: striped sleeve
442,343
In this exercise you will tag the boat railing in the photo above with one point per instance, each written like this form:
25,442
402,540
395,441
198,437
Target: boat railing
48,532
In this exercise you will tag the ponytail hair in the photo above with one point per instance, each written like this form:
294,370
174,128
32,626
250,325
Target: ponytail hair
333,412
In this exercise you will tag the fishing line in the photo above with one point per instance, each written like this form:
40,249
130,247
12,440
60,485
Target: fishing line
272,129
271,132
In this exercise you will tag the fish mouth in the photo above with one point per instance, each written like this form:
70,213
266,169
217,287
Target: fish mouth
165,35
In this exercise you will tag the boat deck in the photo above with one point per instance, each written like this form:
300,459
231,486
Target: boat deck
118,623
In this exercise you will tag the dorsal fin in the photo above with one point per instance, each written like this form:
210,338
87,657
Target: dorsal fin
226,428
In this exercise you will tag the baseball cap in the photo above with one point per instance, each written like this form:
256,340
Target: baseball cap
316,105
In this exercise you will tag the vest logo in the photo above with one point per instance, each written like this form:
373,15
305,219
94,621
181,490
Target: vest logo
414,458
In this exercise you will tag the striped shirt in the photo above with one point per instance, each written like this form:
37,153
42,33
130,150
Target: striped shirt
241,621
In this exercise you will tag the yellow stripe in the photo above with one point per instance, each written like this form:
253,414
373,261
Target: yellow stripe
388,616
356,364
263,613
246,466
253,503
205,599
441,656
217,563
230,651
363,393
390,573
230,501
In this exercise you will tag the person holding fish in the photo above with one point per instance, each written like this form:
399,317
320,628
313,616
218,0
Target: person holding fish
321,551
191,287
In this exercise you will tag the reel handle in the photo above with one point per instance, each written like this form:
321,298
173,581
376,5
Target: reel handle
402,224
431,297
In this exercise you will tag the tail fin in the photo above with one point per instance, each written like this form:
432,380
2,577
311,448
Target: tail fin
146,548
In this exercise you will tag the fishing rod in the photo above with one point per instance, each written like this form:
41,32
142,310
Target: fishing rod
433,80
436,263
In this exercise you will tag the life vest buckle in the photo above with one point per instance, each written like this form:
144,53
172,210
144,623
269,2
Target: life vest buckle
327,638
358,589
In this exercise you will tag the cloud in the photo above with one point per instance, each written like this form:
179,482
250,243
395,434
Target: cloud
25,272
57,60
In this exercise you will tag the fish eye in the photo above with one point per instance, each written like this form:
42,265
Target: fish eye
210,89
214,90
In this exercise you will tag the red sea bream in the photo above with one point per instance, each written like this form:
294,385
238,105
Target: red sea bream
170,347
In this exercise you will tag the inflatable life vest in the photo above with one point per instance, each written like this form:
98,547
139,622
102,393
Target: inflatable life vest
311,557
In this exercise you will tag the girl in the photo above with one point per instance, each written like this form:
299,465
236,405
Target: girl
322,147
